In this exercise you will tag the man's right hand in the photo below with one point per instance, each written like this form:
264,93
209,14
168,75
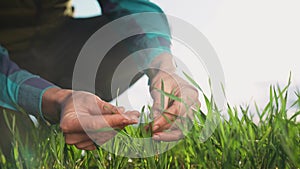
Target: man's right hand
85,119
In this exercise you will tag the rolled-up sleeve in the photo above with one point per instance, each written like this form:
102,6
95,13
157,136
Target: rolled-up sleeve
20,90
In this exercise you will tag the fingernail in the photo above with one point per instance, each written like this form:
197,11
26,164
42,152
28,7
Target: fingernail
155,127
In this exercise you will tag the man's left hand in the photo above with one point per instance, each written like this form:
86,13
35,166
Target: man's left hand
169,112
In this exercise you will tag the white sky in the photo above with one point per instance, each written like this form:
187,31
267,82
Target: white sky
257,41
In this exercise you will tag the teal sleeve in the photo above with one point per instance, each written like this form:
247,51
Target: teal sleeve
20,90
155,43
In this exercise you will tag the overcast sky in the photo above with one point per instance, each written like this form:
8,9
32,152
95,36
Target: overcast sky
257,42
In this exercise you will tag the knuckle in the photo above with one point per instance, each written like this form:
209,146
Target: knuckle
64,126
196,93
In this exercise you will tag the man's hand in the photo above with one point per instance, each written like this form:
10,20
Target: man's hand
85,119
165,109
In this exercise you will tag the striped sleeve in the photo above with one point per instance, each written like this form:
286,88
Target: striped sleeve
20,90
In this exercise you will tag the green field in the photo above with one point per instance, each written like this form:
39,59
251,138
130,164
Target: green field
237,142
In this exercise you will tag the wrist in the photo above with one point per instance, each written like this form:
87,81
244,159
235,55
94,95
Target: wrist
162,63
53,99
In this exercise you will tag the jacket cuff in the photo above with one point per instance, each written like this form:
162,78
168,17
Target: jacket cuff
30,95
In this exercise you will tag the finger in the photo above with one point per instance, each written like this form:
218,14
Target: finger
194,108
166,119
160,102
107,108
132,114
188,95
174,135
108,121
121,109
171,126
90,148
183,109
183,124
176,109
163,122
179,109
72,139
179,112
95,123
84,145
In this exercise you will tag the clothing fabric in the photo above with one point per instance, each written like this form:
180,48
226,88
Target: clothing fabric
21,90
